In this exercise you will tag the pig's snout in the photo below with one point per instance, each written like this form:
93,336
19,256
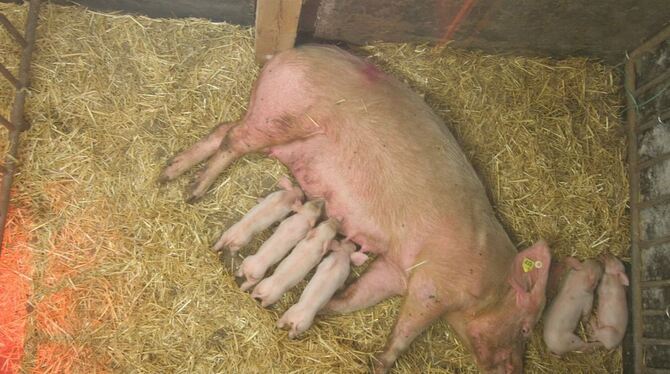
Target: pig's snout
239,280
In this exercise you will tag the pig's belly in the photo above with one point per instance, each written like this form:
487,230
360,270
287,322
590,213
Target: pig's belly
321,175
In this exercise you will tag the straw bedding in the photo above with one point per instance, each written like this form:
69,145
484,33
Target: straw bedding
122,278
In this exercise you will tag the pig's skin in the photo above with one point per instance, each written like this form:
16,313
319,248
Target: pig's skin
390,170
572,304
304,257
269,210
329,277
612,306
287,235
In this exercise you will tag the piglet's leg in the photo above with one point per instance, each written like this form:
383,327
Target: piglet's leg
249,136
421,307
380,281
198,152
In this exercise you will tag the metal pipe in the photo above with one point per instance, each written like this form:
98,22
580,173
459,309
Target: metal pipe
654,242
634,179
657,201
665,116
650,44
654,160
12,31
10,77
650,341
652,83
5,122
656,283
16,117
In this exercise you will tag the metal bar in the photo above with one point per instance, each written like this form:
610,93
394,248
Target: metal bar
655,313
17,114
13,31
654,242
5,122
652,83
634,179
656,371
654,160
663,199
650,341
10,77
650,44
665,116
656,283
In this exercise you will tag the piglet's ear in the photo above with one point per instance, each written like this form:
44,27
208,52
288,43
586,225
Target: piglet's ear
573,263
334,245
296,205
358,258
529,273
623,278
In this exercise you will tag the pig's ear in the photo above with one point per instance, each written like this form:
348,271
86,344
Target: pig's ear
529,273
623,278
285,183
573,263
358,258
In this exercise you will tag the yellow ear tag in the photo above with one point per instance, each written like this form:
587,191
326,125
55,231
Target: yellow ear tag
527,264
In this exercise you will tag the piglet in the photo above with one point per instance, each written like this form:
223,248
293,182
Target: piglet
329,277
305,256
612,307
271,209
287,235
573,302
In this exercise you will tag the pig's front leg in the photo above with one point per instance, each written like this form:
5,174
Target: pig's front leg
381,280
423,304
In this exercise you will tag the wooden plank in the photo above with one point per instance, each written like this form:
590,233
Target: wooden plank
276,26
240,12
599,28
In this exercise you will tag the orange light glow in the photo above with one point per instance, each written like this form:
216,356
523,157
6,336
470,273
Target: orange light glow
15,288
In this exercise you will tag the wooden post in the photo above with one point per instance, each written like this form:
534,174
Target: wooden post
276,26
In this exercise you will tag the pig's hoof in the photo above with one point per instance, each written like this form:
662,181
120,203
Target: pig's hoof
192,198
163,179
378,366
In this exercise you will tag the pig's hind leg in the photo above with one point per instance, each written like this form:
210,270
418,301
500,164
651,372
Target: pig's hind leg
198,152
380,281
251,135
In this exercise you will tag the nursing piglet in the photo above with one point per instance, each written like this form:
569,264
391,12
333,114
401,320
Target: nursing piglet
329,277
271,209
288,234
612,307
572,304
305,256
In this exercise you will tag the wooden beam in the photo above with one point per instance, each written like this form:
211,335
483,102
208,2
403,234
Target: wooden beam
276,27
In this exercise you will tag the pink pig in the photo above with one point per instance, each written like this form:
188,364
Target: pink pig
329,277
271,209
572,304
612,306
305,256
394,175
287,235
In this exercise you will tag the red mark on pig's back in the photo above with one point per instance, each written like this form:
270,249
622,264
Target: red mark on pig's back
371,72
